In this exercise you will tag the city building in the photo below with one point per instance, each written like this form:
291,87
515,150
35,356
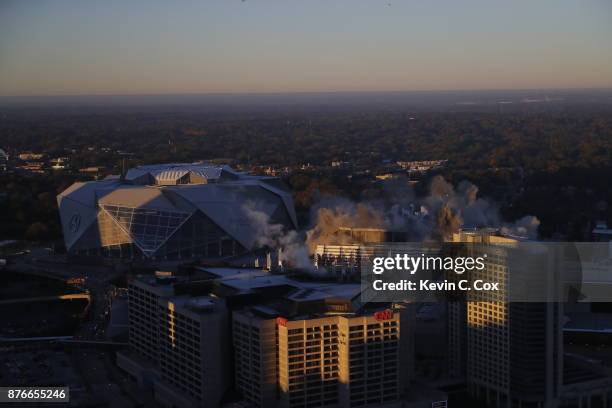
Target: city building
268,340
97,172
4,158
32,167
601,232
59,163
30,156
177,343
171,211
422,166
345,261
334,359
353,247
511,352
350,247
317,345
144,297
192,346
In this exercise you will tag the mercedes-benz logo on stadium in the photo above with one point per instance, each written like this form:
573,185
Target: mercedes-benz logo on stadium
75,223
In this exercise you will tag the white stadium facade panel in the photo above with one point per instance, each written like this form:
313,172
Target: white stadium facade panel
171,211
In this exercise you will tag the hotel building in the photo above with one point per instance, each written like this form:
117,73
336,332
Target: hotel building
334,356
276,341
176,343
510,351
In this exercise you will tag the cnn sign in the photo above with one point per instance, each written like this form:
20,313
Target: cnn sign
383,315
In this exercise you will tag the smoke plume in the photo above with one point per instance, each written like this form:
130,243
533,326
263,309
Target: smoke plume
341,213
526,226
274,236
444,211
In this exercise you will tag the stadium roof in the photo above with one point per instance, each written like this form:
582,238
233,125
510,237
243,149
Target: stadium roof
175,173
177,192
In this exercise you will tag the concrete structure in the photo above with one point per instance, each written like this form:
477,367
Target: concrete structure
297,342
345,261
144,298
141,361
4,158
177,344
353,246
511,353
601,232
171,211
59,163
29,156
335,360
422,166
192,347
318,346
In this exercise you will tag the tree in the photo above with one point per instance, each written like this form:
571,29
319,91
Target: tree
37,232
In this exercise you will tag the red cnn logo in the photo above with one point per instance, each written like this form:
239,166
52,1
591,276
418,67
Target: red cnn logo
383,315
281,321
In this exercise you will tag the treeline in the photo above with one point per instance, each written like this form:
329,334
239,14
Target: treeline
28,206
555,165
543,141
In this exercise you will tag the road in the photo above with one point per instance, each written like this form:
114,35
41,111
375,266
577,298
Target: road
46,298
103,381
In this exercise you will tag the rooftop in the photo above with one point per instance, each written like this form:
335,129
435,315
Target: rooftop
245,280
179,173
170,195
195,304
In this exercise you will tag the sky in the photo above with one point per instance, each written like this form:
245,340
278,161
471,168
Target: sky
61,47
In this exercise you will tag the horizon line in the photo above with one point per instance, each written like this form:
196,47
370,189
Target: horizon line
255,93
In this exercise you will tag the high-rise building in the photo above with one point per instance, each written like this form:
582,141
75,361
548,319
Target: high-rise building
144,296
277,341
255,341
193,343
511,353
177,343
338,358
3,160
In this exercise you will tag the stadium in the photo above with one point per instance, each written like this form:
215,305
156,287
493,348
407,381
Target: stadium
171,211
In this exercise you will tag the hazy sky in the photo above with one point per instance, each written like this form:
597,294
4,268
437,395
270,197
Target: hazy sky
126,46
